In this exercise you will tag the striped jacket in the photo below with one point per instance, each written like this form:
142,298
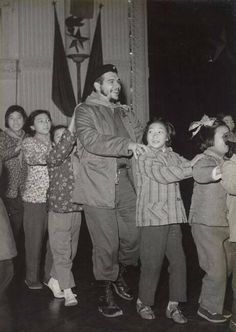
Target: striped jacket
159,200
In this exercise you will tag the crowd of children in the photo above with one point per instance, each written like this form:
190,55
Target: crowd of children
38,197
40,164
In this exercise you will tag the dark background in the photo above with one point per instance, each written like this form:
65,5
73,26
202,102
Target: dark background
192,62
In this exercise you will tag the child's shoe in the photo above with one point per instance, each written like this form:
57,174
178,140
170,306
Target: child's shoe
145,311
173,312
211,317
53,284
232,325
70,298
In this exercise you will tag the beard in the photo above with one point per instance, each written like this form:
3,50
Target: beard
107,95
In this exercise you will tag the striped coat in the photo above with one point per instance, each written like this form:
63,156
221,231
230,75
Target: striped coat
159,200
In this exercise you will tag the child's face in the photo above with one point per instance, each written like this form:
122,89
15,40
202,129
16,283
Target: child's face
15,121
42,124
157,135
219,143
229,121
57,135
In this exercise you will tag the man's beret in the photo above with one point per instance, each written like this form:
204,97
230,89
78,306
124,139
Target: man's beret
99,71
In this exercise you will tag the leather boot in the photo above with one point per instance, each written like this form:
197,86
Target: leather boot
120,286
107,306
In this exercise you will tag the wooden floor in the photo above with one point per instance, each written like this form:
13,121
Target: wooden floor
26,310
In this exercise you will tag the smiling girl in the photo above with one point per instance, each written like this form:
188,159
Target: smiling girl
35,150
160,211
10,153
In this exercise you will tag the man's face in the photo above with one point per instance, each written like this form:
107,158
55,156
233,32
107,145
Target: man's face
110,87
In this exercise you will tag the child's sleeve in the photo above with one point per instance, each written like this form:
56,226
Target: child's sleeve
185,162
229,176
33,154
9,152
156,170
61,151
203,171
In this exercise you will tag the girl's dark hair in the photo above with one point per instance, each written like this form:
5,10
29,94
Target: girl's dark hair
169,128
31,118
55,128
12,109
205,136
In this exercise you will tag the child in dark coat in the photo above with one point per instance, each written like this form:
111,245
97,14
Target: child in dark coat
64,216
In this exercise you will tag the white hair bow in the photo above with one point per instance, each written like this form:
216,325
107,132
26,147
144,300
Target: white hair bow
205,121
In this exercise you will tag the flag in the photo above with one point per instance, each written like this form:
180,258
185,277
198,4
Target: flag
95,59
62,89
82,8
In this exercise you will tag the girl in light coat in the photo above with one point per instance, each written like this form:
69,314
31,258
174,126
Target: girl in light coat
208,217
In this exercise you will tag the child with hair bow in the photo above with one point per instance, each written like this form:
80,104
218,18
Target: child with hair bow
208,217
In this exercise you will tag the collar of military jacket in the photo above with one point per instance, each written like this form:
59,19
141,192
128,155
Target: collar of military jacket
97,99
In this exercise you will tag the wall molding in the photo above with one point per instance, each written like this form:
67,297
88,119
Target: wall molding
36,63
6,3
8,68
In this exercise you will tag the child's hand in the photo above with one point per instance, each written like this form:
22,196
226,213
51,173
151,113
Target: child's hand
19,147
216,173
196,159
217,170
71,127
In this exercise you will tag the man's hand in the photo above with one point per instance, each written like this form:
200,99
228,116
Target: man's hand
137,149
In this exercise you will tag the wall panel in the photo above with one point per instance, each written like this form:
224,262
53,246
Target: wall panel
36,22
